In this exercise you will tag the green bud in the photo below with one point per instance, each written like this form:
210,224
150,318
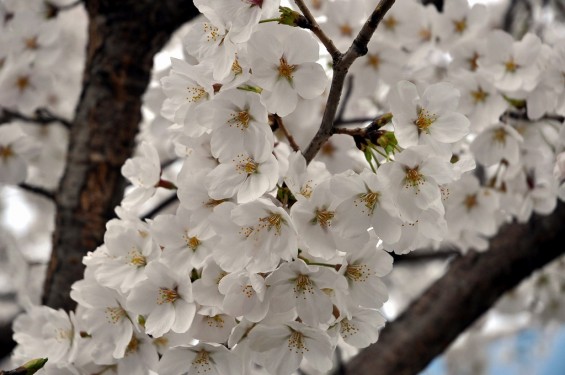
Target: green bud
34,365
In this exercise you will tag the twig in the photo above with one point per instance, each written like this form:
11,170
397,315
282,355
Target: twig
315,28
41,116
161,206
345,100
38,190
279,124
341,67
356,120
376,123
417,257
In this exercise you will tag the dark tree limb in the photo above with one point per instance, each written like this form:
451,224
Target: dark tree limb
41,116
123,38
470,287
38,191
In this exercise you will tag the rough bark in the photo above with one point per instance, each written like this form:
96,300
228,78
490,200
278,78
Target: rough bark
472,285
123,38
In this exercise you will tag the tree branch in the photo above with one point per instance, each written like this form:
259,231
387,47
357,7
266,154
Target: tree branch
41,116
38,191
278,122
341,67
472,285
315,28
161,206
123,38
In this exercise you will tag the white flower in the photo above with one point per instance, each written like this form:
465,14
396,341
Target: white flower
246,176
245,296
282,348
185,245
497,143
363,270
195,360
43,332
431,114
165,298
130,250
512,64
238,121
296,284
362,328
105,317
15,151
301,179
414,179
283,60
367,204
256,235
144,172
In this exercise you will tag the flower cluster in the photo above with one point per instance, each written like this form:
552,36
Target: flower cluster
271,259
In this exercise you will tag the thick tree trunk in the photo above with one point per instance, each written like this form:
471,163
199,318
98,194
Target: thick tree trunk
123,37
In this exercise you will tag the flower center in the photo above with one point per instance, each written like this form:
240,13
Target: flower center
373,61
357,272
31,43
303,285
195,93
236,68
285,69
425,120
460,25
212,32
202,362
473,62
240,119
499,135
132,346
470,201
296,342
215,321
22,83
511,66
413,177
425,34
347,329
324,218
114,314
6,152
390,23
346,30
136,258
479,95
370,199
167,296
272,221
192,242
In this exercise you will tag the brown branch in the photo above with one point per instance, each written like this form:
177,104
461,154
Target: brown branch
346,97
472,285
341,67
38,191
278,124
161,206
123,38
41,116
420,256
315,28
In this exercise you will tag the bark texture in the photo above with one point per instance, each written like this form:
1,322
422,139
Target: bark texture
472,285
123,37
